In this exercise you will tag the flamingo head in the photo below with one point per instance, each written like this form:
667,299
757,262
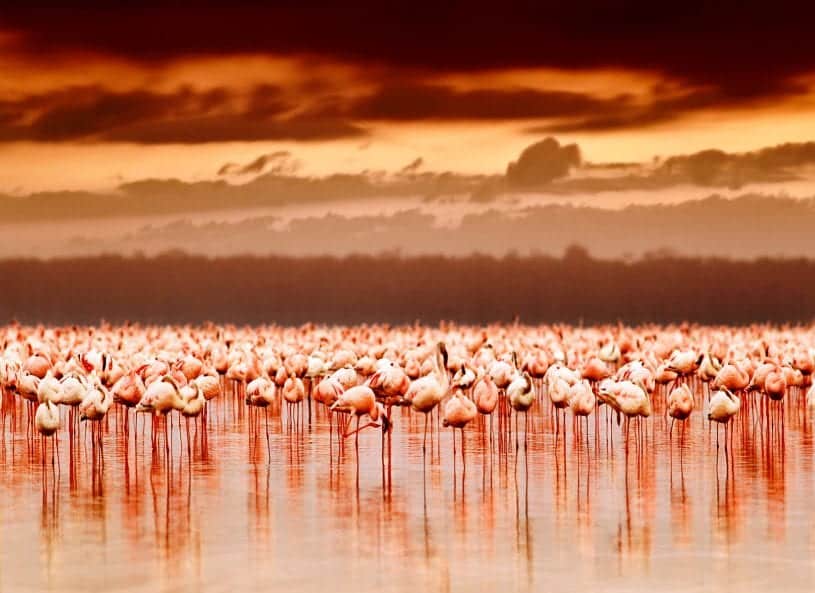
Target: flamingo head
443,351
169,379
382,415
85,364
143,407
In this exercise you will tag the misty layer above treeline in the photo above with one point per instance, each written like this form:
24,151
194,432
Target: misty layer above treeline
177,288
743,228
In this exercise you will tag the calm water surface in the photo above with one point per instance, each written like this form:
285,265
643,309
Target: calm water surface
556,516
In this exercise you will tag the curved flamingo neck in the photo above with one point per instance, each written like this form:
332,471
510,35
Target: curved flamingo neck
441,372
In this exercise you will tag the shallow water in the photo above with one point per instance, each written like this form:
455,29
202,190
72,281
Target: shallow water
657,515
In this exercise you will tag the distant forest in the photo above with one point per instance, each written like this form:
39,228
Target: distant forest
178,288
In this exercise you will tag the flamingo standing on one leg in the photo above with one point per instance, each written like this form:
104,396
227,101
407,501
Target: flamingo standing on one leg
360,401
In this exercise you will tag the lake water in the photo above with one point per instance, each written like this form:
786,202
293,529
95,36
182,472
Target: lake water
584,515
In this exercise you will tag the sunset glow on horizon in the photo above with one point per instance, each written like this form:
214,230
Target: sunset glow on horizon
113,110
298,112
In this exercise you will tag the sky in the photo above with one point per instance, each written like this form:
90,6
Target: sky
273,115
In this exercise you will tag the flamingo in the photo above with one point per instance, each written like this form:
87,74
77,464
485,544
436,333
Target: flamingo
721,409
610,353
811,399
627,398
73,390
46,419
161,397
390,383
582,399
709,367
521,396
684,362
360,401
731,376
294,392
128,391
38,364
458,412
194,404
465,377
426,393
97,400
94,406
261,393
680,405
557,387
317,367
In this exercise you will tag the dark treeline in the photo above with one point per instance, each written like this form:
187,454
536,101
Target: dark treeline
180,288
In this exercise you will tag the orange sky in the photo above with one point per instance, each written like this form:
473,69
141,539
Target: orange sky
82,118
310,127
92,97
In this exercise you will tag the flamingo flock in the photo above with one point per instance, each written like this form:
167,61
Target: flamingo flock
498,381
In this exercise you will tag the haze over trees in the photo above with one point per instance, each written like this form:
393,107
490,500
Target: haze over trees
576,288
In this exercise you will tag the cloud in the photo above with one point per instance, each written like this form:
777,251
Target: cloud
721,169
412,167
542,163
424,101
661,106
743,48
153,197
93,113
707,168
278,162
545,168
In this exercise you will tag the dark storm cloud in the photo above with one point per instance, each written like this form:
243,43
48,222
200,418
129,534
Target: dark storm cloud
93,113
410,102
662,106
742,47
